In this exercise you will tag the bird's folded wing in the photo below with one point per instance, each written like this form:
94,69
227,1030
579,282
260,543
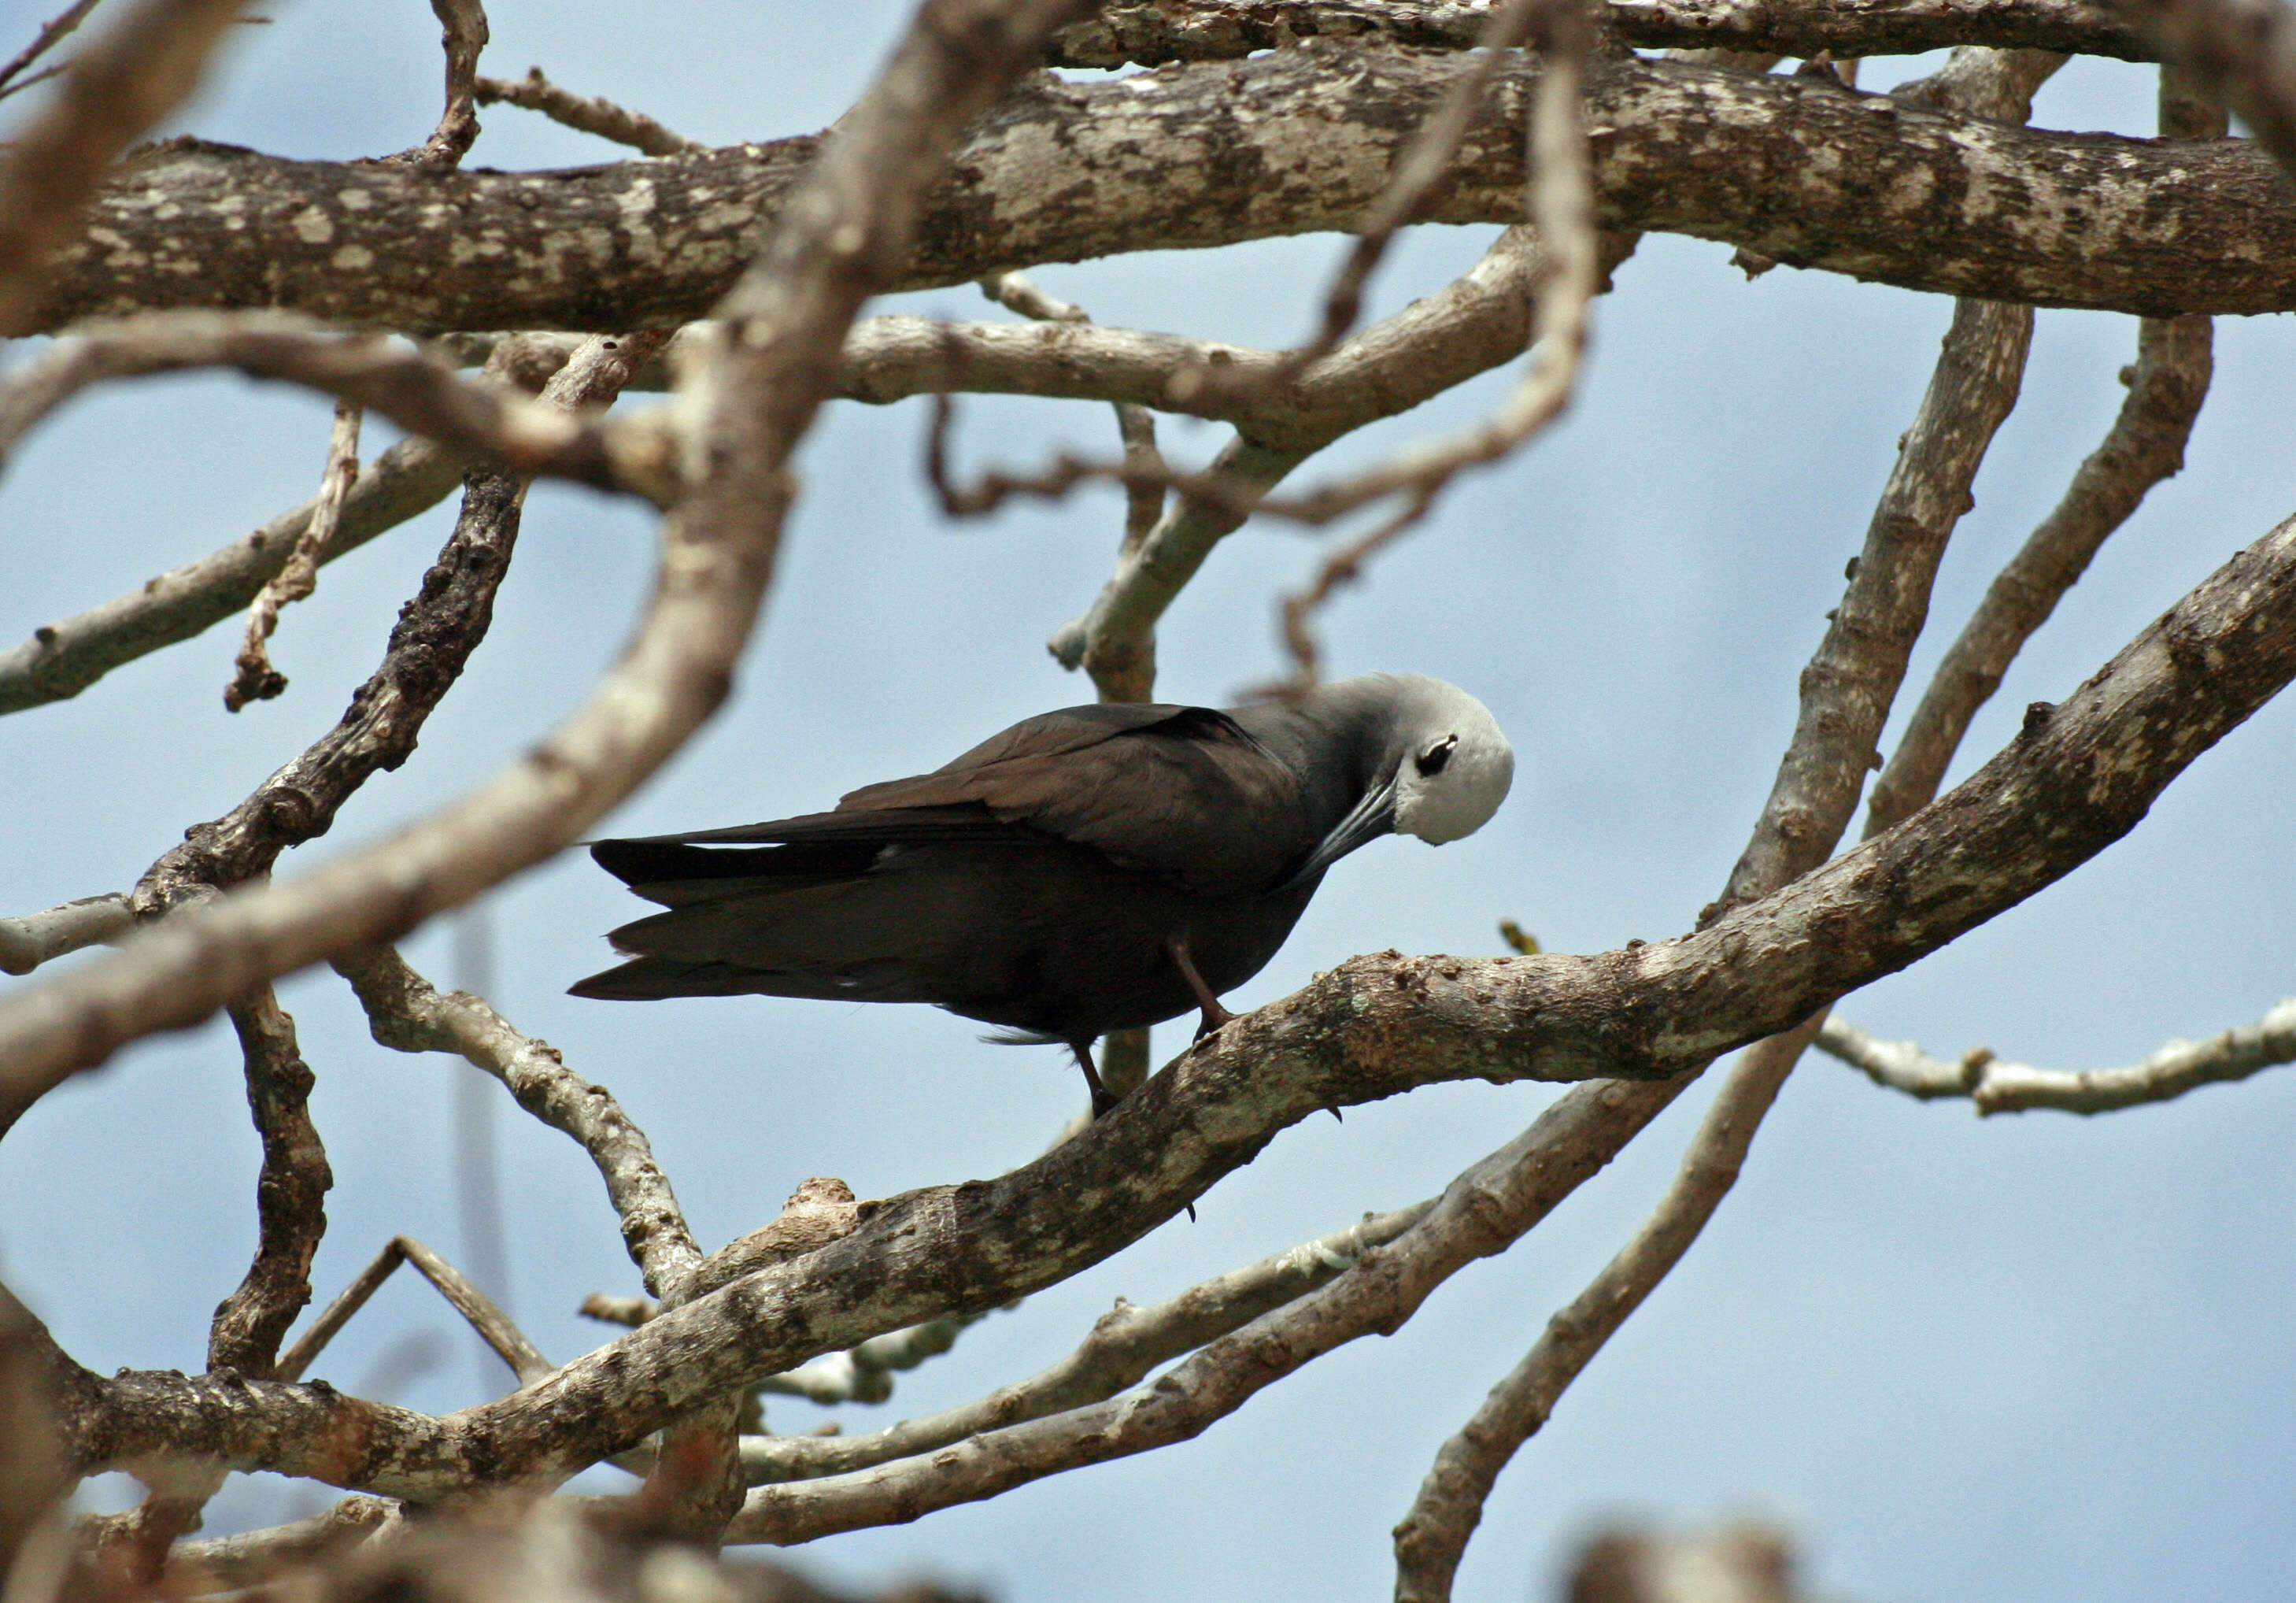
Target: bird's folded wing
1183,792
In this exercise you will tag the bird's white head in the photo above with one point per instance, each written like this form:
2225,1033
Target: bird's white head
1456,767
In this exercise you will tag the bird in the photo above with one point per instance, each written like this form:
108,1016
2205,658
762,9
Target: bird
1095,868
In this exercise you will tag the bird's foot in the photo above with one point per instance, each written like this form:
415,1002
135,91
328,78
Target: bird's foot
1215,1019
1104,1102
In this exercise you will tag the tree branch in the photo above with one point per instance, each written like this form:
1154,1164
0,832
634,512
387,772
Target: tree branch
1999,1087
255,679
1152,33
463,25
407,1015
1808,174
1433,1535
290,1195
602,118
143,68
1124,1346
414,390
32,940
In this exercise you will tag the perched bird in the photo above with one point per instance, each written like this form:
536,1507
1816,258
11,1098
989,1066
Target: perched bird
1092,869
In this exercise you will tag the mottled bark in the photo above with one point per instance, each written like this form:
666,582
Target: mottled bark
1806,173
1159,31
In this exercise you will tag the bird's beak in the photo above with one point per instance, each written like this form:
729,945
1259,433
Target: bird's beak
1374,816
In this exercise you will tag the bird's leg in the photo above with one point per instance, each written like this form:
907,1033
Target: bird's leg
1214,1015
1102,1099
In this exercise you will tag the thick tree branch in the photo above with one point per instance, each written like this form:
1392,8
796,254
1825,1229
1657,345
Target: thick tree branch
1158,31
141,69
1806,173
1997,1087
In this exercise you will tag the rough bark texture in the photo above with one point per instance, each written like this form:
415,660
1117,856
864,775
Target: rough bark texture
1194,31
1797,170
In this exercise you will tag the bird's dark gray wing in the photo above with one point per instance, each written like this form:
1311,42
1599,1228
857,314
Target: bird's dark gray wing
1183,792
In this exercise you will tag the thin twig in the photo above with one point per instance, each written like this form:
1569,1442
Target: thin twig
413,389
64,658
408,1014
1421,165
1433,1535
1122,1348
51,33
1561,210
494,1327
256,679
602,118
1995,1086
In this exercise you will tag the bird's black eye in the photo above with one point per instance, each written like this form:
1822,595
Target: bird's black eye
1431,760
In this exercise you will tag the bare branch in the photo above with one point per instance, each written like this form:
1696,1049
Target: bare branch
414,390
228,1563
463,25
51,34
1999,1087
291,1193
64,658
2244,51
2145,444
429,644
494,1327
136,73
602,118
1849,685
408,1014
1804,173
256,680
1433,1535
1152,32
1124,1346
32,940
